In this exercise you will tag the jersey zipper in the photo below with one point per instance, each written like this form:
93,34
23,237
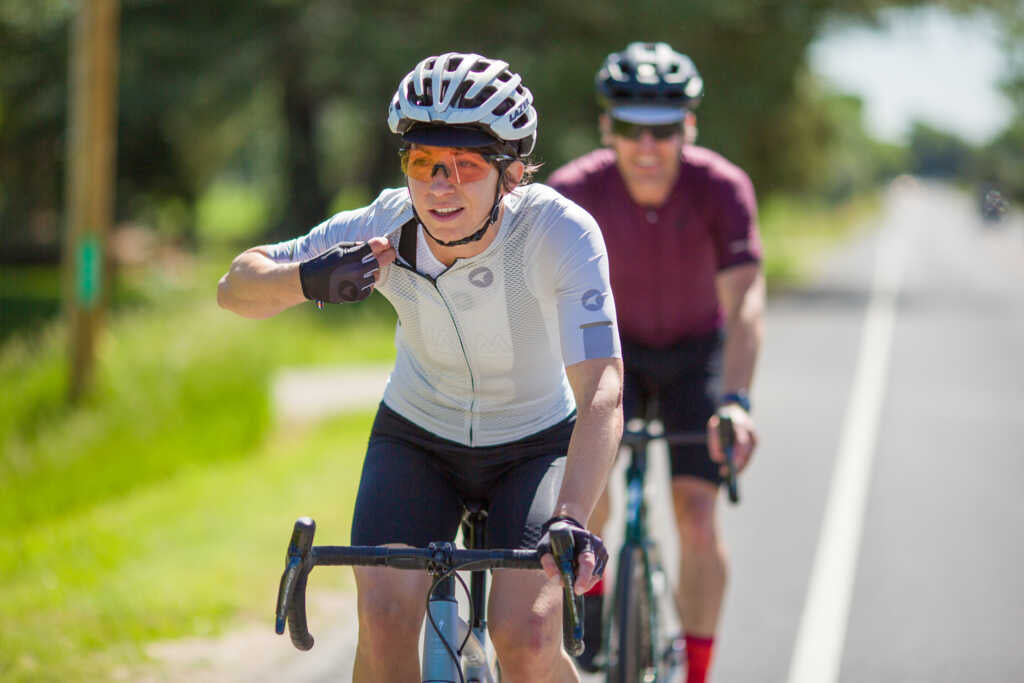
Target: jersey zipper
462,346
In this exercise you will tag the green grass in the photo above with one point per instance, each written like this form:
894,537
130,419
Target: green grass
81,595
160,506
180,383
798,233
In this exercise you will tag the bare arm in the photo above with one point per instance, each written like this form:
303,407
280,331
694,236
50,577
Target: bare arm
257,287
597,386
741,290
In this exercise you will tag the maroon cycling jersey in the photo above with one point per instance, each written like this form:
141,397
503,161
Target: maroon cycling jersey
663,260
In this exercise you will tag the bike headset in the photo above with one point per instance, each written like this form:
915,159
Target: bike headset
648,83
466,100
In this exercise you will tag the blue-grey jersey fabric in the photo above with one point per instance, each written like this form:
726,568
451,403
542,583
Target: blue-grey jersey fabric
482,350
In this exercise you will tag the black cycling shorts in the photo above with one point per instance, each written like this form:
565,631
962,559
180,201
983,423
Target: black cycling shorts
679,385
414,483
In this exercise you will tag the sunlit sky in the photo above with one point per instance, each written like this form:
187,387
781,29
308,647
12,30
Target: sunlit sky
924,64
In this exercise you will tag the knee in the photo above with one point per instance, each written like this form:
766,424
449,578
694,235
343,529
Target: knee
695,519
387,615
527,645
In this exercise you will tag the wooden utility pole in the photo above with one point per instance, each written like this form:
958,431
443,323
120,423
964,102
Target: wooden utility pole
91,148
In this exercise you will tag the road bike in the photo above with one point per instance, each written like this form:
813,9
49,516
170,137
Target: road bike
454,650
639,641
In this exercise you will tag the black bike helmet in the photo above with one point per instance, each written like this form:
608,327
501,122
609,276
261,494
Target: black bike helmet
648,75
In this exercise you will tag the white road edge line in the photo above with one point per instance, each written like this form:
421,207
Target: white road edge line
819,643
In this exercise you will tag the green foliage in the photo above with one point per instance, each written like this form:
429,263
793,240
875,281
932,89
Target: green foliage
1002,162
160,507
230,212
289,96
187,555
177,386
351,197
797,233
938,154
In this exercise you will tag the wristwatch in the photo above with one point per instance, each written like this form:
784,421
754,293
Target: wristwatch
740,398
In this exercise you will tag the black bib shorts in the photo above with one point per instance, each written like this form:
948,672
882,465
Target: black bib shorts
679,385
414,484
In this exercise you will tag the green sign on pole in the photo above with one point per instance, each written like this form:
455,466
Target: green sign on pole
90,270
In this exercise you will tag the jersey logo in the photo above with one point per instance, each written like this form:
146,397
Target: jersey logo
593,300
481,277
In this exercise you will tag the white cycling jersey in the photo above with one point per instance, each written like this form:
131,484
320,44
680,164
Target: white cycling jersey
482,348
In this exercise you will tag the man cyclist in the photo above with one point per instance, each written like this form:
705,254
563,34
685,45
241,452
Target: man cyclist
507,380
680,224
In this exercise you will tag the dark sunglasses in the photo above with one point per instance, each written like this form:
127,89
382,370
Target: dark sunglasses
634,131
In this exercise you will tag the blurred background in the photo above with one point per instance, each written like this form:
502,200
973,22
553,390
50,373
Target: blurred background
147,477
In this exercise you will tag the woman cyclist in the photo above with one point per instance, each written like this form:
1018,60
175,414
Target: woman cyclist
507,380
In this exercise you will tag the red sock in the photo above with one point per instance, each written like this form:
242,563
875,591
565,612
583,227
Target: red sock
698,658
598,588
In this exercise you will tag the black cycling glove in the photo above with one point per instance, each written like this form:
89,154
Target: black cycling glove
342,274
583,541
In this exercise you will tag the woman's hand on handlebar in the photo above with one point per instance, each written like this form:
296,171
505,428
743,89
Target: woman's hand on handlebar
589,553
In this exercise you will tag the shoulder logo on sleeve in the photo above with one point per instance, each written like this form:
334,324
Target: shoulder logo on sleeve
481,277
593,300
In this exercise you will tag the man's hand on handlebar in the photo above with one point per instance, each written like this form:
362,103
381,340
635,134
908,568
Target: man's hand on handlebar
590,555
744,437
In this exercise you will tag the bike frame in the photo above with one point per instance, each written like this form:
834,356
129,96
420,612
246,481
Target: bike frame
479,664
637,536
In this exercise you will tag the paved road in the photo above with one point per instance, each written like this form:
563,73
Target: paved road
921,579
879,534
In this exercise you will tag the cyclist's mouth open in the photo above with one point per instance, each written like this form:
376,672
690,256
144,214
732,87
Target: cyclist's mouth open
446,214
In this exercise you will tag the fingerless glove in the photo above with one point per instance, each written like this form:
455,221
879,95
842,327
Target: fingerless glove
342,274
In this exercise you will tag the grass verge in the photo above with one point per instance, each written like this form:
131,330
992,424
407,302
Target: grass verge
797,233
82,595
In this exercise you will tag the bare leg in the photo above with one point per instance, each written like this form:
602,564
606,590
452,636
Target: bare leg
391,611
526,627
703,566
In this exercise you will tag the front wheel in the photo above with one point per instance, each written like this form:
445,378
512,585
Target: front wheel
631,656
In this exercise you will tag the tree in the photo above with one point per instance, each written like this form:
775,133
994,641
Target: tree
255,90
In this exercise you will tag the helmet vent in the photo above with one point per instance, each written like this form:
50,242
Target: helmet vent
466,90
649,74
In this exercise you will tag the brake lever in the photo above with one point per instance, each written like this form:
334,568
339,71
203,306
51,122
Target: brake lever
291,593
572,605
727,439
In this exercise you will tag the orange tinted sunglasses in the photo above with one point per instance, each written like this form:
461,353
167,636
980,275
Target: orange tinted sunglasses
458,165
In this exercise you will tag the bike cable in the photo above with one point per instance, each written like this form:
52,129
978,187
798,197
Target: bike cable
452,652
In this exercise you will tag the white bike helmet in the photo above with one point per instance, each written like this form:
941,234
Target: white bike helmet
464,100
